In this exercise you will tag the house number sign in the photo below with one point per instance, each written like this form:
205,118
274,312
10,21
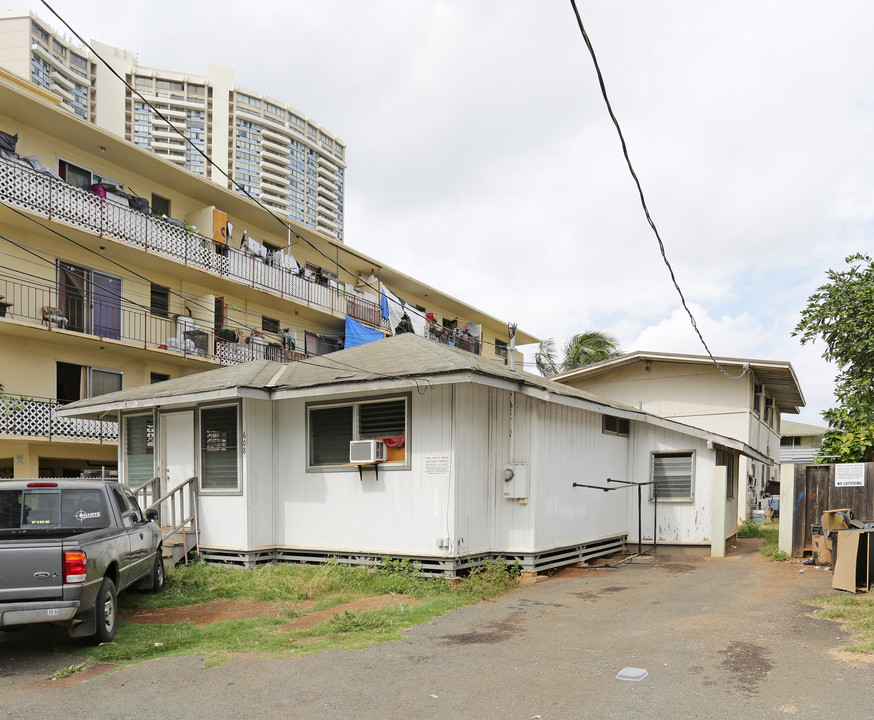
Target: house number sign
244,442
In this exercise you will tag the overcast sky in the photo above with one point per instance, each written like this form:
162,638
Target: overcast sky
482,159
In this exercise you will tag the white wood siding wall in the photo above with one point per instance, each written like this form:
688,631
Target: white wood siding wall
570,447
258,471
679,521
473,465
405,511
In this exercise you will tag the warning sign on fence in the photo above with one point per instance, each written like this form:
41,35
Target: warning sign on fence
850,475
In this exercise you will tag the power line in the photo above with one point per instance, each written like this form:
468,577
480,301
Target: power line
134,303
224,173
208,159
643,199
227,175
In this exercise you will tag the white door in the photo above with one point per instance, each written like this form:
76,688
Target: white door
177,464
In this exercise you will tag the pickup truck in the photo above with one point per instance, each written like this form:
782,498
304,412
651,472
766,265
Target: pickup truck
67,547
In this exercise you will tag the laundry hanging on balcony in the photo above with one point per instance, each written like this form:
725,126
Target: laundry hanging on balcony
286,262
358,334
396,310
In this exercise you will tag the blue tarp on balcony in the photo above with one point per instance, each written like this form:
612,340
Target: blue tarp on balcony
358,334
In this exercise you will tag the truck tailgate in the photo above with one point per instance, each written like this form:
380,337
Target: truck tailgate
31,570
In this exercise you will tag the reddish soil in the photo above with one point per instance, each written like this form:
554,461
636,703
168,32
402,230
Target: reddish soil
372,603
206,613
221,610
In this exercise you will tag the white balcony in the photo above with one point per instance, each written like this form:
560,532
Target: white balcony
37,193
37,417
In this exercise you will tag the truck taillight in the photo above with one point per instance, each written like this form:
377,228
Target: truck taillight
75,566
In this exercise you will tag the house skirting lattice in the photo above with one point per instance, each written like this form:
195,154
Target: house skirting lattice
448,566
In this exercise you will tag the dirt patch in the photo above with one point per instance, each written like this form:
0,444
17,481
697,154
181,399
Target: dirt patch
748,664
222,610
78,677
207,613
493,632
677,567
377,602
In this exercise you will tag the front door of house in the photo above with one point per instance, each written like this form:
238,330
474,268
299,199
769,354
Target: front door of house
177,460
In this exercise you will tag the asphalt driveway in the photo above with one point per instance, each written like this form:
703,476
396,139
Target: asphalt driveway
729,638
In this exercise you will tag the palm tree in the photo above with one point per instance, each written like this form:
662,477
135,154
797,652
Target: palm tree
582,349
544,358
588,347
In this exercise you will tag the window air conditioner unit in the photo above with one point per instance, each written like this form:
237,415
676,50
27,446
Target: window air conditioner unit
366,451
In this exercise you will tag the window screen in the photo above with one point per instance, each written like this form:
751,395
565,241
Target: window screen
330,433
160,300
218,448
103,382
672,473
616,426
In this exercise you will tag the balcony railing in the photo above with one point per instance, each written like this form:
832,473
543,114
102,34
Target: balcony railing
456,338
44,195
37,417
117,320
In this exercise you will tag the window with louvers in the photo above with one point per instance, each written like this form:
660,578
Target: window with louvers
139,433
332,428
376,420
218,448
672,473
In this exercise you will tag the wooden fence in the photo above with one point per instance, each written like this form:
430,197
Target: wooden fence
815,490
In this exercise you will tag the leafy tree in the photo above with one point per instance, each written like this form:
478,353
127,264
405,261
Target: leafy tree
582,349
841,314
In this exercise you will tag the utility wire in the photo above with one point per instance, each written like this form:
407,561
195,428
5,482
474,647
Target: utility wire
337,363
643,199
186,300
224,173
238,186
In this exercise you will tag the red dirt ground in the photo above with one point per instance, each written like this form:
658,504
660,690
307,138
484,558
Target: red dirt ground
221,610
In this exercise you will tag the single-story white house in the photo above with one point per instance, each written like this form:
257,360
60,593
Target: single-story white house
481,461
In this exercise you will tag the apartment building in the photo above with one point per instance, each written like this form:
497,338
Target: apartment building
120,268
271,150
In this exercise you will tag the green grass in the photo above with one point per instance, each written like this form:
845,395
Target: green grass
286,586
854,611
769,533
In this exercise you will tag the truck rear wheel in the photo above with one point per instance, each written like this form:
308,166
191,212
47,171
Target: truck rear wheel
106,608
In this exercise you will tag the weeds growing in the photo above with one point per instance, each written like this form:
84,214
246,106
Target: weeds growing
854,611
769,533
286,586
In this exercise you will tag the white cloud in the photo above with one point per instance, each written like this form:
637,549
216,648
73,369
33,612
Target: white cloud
482,159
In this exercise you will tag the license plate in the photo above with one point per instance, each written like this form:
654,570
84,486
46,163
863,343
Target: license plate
53,612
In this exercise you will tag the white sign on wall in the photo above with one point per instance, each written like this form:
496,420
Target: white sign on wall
436,464
850,475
